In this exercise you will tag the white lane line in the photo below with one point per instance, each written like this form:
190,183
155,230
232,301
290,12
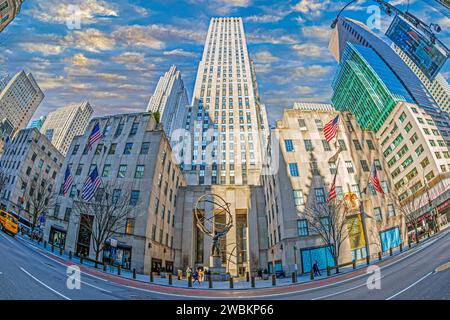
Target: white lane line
6,237
98,288
410,286
39,281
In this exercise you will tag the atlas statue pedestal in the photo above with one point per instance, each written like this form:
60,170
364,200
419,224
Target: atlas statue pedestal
217,272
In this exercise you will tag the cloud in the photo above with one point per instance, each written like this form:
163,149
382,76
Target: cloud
180,53
89,11
311,7
111,77
321,32
92,40
264,57
308,50
43,48
275,36
81,61
129,57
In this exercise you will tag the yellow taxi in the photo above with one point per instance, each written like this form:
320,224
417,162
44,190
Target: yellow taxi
8,223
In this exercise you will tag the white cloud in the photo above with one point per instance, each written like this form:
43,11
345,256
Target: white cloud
264,57
180,53
111,77
43,48
92,40
308,50
129,57
54,11
81,61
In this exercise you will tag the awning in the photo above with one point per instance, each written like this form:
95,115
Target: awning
58,228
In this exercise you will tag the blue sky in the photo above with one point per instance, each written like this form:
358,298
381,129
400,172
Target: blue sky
123,47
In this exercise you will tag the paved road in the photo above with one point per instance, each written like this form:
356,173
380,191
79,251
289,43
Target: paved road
422,273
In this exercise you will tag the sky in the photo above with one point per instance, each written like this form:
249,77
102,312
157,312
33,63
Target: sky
122,47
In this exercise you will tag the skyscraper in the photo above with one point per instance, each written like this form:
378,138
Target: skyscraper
227,120
37,123
18,101
9,9
226,129
170,100
438,88
364,85
63,124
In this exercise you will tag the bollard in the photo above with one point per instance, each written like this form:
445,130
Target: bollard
210,282
45,244
190,281
253,283
368,259
409,244
170,279
60,251
390,251
104,267
134,273
379,256
354,264
401,247
328,271
70,255
247,276
81,258
311,275
231,283
293,277
53,247
118,270
337,269
151,276
274,280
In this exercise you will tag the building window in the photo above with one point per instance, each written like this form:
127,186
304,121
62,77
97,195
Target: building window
116,195
298,198
122,171
302,227
75,149
325,223
293,168
106,169
320,195
356,190
112,148
134,197
349,166
139,173
384,186
128,147
391,211
342,145
377,164
79,169
377,212
357,145
134,128
364,165
326,145
308,145
339,193
145,147
370,145
289,145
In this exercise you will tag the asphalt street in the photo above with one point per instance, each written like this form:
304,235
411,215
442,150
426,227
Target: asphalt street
423,273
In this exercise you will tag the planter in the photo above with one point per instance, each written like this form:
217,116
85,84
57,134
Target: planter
265,277
163,274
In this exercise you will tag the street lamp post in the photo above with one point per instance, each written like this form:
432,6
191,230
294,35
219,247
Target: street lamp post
295,259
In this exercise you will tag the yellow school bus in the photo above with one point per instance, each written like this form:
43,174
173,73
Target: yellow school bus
8,223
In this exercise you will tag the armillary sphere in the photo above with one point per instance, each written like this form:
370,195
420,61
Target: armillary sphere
219,221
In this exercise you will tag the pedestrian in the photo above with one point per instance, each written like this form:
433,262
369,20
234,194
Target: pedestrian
200,274
260,273
195,277
188,271
316,269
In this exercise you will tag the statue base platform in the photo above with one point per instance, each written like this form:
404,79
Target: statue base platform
216,271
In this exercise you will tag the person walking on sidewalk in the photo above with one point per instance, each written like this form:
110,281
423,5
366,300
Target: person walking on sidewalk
188,272
316,269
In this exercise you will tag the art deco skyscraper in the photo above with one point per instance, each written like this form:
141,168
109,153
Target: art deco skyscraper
63,124
170,100
18,101
227,122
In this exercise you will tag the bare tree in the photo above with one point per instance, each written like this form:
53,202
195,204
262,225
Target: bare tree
109,212
38,196
329,221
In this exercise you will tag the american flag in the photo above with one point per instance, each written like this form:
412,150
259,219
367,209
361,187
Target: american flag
95,135
330,129
374,180
332,194
67,181
91,185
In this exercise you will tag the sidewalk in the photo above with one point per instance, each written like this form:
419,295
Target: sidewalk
239,284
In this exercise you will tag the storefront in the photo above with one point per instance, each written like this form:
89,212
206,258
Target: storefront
57,237
322,255
156,265
278,267
356,238
118,256
169,266
390,238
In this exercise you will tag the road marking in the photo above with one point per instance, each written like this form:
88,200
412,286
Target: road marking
410,286
98,288
39,281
